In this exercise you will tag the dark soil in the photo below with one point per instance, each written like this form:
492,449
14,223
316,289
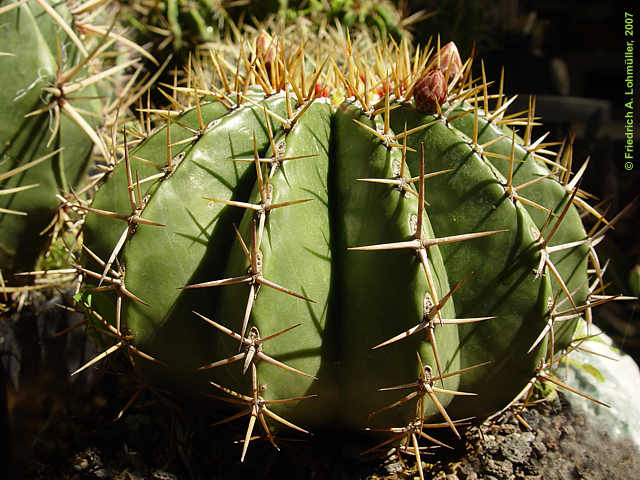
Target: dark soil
87,444
62,428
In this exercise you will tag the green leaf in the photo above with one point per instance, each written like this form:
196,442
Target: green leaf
590,369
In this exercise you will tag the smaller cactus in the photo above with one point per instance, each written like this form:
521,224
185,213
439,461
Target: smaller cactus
44,141
179,27
52,106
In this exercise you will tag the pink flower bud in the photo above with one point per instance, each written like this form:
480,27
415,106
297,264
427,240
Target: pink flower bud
384,88
266,48
429,91
321,90
450,60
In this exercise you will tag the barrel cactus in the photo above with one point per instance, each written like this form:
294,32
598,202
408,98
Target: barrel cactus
358,260
384,16
52,105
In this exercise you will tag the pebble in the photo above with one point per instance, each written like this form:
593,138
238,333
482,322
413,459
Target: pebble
162,475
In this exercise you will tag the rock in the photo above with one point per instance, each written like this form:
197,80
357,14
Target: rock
539,448
518,448
393,467
162,475
619,388
499,469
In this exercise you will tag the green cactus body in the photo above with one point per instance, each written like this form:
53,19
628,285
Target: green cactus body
500,268
27,65
306,281
295,254
189,245
381,293
548,193
634,280
360,299
149,159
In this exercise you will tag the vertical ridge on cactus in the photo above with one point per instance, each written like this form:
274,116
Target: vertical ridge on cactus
539,189
470,199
